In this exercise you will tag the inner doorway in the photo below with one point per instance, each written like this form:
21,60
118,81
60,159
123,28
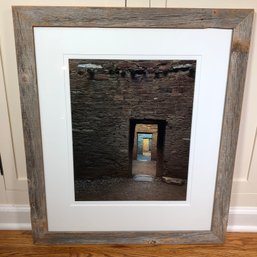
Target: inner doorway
145,150
146,147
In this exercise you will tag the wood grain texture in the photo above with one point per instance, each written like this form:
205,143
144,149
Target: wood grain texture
19,243
231,120
130,17
26,18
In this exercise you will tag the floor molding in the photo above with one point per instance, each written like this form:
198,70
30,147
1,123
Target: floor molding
14,217
242,219
17,217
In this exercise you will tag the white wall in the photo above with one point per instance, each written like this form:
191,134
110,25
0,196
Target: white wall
244,196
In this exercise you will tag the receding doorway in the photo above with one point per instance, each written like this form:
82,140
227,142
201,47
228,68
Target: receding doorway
145,150
146,147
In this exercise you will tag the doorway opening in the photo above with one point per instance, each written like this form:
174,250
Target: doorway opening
146,146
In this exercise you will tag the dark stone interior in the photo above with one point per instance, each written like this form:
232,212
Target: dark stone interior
108,99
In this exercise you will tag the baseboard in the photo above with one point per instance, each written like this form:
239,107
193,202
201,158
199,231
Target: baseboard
17,217
14,217
242,219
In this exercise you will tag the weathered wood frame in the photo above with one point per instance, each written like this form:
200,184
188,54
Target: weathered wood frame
26,18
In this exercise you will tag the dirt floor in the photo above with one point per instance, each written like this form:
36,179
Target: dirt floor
144,167
127,189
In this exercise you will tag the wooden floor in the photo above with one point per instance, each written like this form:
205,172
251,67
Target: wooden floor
18,243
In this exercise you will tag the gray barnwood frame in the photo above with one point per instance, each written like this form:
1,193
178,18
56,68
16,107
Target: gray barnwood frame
27,17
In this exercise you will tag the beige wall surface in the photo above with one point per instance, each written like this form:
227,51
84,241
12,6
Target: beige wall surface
245,177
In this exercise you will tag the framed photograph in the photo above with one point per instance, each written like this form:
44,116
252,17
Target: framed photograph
131,120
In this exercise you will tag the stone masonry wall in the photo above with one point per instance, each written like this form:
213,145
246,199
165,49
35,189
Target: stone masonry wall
106,94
